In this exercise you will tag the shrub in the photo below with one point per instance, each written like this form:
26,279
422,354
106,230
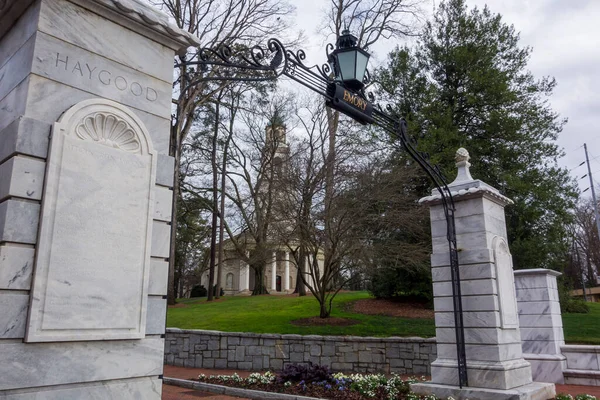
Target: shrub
398,282
199,291
307,373
577,306
569,304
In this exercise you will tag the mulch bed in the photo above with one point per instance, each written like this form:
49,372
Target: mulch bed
392,308
179,305
330,321
184,305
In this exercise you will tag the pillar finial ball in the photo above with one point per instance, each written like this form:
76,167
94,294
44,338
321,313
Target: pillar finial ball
462,155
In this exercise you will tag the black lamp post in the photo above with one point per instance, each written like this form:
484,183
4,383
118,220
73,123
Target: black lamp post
344,92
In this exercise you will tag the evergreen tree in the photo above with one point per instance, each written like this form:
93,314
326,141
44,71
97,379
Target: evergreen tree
466,84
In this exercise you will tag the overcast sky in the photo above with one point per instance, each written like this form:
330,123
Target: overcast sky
565,37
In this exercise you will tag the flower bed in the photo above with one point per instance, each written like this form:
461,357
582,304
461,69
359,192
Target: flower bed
320,383
338,386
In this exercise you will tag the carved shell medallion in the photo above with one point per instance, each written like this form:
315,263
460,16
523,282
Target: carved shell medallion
108,130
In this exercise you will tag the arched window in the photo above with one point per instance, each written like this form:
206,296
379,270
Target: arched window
229,281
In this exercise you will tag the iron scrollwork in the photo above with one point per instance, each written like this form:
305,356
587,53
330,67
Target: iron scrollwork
258,64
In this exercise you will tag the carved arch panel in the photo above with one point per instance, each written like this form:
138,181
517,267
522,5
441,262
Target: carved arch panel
505,281
93,256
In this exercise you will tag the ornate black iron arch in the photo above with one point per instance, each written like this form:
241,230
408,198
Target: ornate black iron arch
259,64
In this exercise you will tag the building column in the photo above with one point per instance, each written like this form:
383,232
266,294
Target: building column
496,368
245,277
286,278
274,272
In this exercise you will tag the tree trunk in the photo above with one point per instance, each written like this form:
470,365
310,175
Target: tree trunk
176,284
300,288
222,212
332,122
215,205
259,280
176,153
324,310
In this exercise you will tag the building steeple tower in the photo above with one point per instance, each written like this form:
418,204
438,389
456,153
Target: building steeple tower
276,145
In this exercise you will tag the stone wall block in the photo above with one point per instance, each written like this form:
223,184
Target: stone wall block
165,169
22,177
156,316
19,221
16,267
24,136
13,316
161,233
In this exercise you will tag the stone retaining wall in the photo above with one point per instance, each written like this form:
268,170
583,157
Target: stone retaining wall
250,351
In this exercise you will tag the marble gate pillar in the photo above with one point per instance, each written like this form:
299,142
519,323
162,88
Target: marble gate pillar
496,368
85,199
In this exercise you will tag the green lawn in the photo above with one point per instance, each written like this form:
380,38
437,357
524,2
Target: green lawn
583,328
272,314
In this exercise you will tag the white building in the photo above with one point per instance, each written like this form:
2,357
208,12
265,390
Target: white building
280,275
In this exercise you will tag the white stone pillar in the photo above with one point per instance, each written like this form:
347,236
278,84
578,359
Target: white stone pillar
274,272
541,323
286,277
69,196
496,368
245,277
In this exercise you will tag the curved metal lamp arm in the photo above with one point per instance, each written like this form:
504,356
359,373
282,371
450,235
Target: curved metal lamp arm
258,64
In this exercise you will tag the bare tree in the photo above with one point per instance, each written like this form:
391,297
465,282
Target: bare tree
370,21
306,235
214,22
587,245
192,238
373,20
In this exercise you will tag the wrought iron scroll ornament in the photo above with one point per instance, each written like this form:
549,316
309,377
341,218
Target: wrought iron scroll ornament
252,64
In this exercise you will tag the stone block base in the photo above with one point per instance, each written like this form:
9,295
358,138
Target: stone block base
582,377
547,367
501,375
531,391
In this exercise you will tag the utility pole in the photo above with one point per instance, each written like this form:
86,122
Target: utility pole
580,270
594,200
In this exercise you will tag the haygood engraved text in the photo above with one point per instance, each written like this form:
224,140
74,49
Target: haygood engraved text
105,77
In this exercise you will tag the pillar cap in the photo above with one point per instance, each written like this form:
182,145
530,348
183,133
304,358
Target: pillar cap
537,271
150,18
464,187
132,14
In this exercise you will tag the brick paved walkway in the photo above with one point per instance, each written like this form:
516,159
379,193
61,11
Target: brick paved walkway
179,393
192,373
